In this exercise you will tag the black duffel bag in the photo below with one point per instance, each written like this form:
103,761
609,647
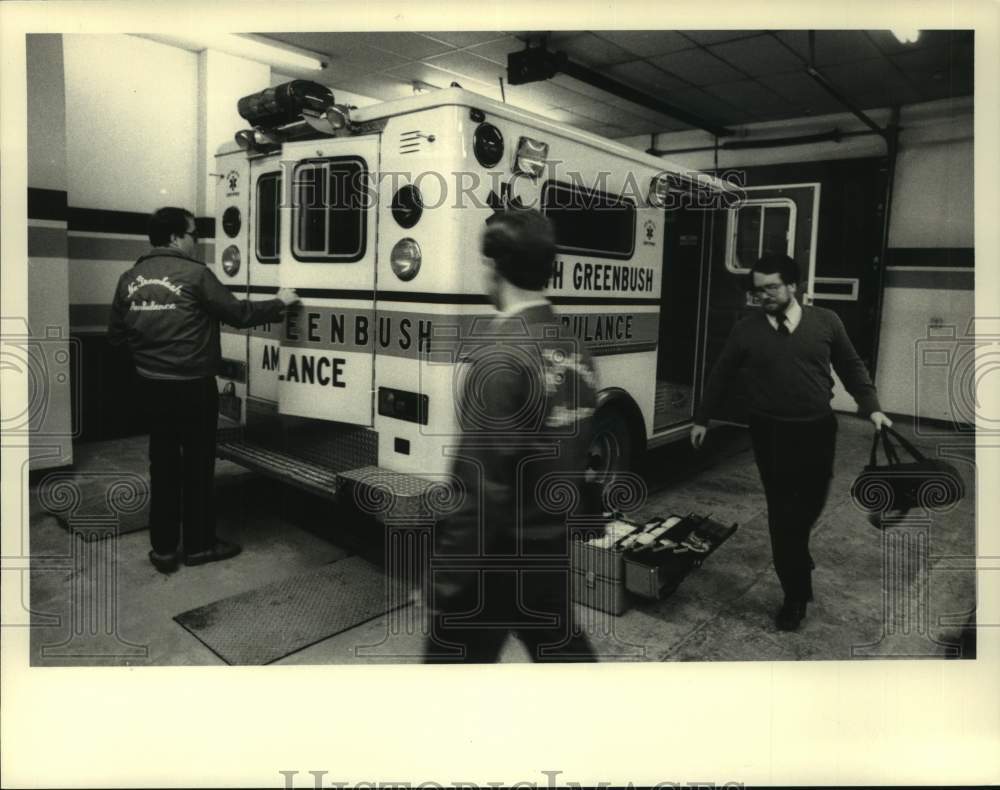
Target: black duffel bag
927,483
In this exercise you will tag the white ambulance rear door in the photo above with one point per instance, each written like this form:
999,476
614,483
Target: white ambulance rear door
263,257
328,252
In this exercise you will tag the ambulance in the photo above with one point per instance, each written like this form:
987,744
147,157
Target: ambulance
374,216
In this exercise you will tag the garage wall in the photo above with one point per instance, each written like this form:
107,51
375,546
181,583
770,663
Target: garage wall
131,147
132,128
929,299
929,267
131,144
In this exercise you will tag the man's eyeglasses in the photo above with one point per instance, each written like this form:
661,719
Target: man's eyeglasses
770,289
192,233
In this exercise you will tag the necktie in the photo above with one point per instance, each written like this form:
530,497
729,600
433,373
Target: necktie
783,324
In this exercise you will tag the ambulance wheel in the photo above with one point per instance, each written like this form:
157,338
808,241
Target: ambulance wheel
612,445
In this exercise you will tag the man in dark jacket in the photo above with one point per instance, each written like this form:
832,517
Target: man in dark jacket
784,352
501,564
167,310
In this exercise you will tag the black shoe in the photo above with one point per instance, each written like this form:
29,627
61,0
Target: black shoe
222,550
790,615
164,563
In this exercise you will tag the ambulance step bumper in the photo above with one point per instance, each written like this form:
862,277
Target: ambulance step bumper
385,494
379,492
296,471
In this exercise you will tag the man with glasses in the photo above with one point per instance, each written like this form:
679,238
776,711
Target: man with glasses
784,353
167,310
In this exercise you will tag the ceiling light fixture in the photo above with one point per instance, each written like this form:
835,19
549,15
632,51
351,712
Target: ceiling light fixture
906,35
245,45
259,48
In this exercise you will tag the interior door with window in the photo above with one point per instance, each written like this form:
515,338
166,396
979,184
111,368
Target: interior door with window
328,248
774,218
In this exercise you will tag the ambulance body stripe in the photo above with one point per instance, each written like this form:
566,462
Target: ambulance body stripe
435,298
414,335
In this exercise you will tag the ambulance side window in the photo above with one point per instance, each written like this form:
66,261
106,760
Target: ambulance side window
329,210
590,222
268,217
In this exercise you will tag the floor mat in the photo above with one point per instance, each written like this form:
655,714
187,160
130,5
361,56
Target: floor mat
81,501
87,500
260,626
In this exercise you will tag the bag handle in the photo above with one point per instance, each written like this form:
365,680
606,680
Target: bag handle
873,455
891,457
890,451
913,451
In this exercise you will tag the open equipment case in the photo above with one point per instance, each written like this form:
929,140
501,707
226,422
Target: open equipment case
648,560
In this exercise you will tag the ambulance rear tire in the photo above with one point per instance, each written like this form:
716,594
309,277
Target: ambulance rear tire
613,444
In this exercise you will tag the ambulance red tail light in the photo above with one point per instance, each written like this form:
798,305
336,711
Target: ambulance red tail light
487,144
531,157
407,206
403,405
405,259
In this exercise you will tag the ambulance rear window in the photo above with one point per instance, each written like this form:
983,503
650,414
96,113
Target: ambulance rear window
328,210
268,217
590,222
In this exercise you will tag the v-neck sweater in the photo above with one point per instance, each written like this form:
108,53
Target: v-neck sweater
787,376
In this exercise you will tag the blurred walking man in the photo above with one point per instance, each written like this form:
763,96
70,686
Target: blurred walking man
501,564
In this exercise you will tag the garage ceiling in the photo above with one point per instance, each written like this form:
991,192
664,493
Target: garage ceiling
728,77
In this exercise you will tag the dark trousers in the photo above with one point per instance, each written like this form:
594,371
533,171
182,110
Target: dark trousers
530,601
795,460
182,423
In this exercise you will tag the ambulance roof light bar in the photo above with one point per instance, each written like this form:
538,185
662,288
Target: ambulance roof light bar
288,111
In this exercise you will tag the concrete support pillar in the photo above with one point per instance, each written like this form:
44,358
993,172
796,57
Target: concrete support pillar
46,348
222,80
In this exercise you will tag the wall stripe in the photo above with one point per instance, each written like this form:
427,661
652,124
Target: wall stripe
130,223
91,248
101,220
51,204
47,204
942,257
957,280
47,242
89,315
131,242
119,248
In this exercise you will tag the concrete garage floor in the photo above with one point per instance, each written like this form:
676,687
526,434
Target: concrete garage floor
102,603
